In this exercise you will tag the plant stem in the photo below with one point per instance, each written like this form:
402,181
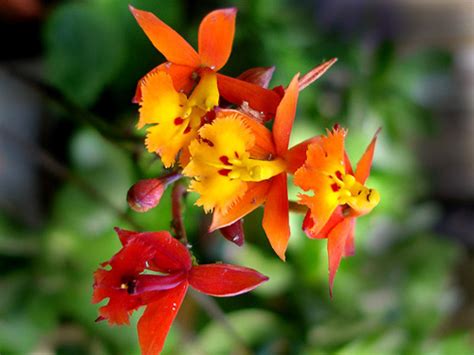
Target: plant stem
177,195
74,111
297,208
213,309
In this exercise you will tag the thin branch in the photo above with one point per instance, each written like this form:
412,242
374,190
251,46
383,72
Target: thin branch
297,208
74,111
46,161
177,195
214,311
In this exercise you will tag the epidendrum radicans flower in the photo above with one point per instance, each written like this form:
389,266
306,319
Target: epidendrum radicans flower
340,195
237,164
176,96
153,269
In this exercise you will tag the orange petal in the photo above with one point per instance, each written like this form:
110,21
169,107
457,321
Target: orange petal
238,91
216,34
336,247
314,74
263,137
285,116
181,75
364,164
254,197
166,40
296,156
276,215
349,248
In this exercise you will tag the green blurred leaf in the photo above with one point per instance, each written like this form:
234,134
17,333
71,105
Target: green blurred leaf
84,50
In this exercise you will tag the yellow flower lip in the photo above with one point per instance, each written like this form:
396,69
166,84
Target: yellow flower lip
358,197
248,169
174,117
221,164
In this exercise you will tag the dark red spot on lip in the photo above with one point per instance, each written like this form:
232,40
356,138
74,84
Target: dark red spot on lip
208,117
336,126
178,121
236,155
187,130
207,141
335,187
225,160
224,172
339,175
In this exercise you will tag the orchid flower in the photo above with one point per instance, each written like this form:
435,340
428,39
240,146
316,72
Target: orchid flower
177,94
237,164
340,195
153,269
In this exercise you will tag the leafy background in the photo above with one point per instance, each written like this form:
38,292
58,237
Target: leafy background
398,294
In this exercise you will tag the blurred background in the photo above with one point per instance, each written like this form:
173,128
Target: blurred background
69,153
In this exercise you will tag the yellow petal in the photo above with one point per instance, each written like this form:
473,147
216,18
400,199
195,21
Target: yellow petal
205,94
160,101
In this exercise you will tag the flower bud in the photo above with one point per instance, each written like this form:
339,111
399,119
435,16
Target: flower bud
146,194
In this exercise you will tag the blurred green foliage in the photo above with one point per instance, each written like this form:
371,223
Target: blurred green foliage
390,298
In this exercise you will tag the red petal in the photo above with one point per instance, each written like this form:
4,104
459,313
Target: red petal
166,40
127,264
296,156
147,283
170,255
125,235
146,194
260,76
238,91
285,117
254,197
216,34
364,164
276,215
223,280
234,232
181,75
336,218
336,246
155,323
315,74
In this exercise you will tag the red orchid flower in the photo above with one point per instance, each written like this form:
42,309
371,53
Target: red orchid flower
237,164
340,195
154,270
185,65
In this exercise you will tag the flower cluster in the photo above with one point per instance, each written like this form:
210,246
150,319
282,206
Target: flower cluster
212,130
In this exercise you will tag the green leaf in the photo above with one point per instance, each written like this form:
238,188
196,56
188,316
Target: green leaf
84,50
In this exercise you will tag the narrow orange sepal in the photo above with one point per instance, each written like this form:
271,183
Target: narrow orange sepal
216,34
254,197
315,73
285,117
276,215
365,163
174,47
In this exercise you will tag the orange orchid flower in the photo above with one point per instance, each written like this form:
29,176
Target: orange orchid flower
237,164
340,195
185,65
